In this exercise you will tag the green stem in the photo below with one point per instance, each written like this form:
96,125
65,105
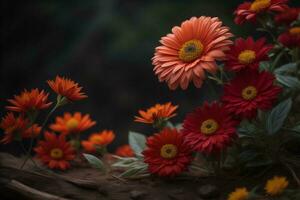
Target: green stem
277,59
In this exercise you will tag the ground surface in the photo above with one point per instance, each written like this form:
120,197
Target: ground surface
38,183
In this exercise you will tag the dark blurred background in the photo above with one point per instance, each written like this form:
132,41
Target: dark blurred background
106,46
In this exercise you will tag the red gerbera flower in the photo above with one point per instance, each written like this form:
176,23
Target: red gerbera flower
29,101
55,151
124,151
167,154
250,90
16,128
66,88
291,38
209,128
247,54
248,11
287,17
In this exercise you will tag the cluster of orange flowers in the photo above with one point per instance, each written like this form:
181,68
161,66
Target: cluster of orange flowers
58,147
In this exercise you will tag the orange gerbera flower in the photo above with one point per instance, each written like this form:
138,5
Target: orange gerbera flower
75,123
16,128
55,152
159,112
190,50
125,151
98,140
66,88
29,101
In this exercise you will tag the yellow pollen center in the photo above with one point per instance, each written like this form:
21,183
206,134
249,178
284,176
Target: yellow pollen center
168,151
56,153
295,31
247,56
259,5
96,140
249,93
209,126
190,50
72,124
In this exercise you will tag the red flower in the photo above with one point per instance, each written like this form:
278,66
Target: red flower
247,54
209,128
98,140
125,151
29,101
167,154
16,128
291,38
249,91
55,151
287,17
248,11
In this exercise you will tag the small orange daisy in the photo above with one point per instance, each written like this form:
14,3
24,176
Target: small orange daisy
98,140
156,113
16,128
124,151
75,123
29,101
66,88
191,50
55,152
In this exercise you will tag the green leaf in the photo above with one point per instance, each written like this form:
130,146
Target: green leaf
296,128
265,66
169,125
246,129
94,161
277,116
288,81
247,155
137,142
290,67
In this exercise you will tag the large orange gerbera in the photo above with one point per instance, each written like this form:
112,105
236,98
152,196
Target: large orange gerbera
248,11
66,88
75,123
55,152
98,140
16,128
190,50
156,113
124,151
29,101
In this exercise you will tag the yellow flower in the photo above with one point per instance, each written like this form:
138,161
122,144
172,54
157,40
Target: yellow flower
276,185
239,194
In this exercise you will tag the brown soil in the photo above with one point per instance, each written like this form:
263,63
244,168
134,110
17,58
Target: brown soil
39,183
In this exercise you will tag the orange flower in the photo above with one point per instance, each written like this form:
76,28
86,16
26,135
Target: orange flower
191,50
100,139
125,151
156,113
75,123
29,101
55,152
16,128
66,88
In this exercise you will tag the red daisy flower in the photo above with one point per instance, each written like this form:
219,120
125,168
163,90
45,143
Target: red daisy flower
247,54
124,151
16,128
55,151
287,17
250,90
167,154
29,101
209,128
291,38
248,11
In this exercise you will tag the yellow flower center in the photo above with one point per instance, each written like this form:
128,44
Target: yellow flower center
249,93
295,31
209,126
247,56
168,151
190,50
56,153
259,5
72,124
